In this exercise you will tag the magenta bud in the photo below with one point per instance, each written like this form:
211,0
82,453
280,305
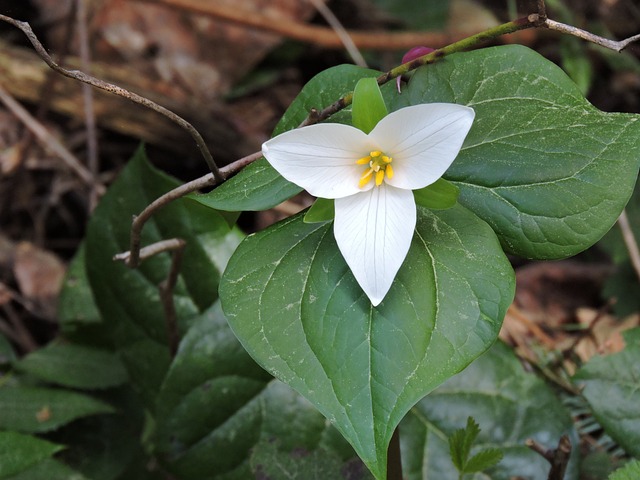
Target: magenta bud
412,54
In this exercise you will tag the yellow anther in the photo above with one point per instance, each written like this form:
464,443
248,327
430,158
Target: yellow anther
389,171
379,164
365,178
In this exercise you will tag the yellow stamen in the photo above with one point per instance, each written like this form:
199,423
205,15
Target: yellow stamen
389,171
365,178
378,163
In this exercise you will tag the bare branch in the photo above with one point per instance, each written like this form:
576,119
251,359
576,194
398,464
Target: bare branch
617,46
109,87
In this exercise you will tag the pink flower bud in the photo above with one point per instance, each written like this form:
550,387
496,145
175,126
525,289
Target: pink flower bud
412,54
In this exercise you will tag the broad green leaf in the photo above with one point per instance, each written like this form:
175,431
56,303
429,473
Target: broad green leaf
49,469
216,405
509,405
36,409
259,186
18,452
322,210
611,385
269,461
128,299
77,312
106,447
74,366
293,303
438,195
549,172
631,471
367,107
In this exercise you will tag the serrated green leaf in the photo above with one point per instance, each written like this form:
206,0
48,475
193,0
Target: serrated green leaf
128,299
439,195
611,385
322,210
631,471
483,460
18,452
74,366
460,444
216,405
287,294
367,107
548,171
34,409
508,403
259,186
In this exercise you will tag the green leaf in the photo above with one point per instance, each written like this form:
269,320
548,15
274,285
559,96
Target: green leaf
483,460
322,210
368,107
425,15
460,443
611,385
268,461
623,285
549,172
34,409
7,355
49,469
128,299
287,294
509,404
631,471
216,405
105,447
18,452
74,366
439,195
77,312
259,186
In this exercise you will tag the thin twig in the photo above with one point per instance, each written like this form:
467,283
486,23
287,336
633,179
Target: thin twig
24,337
345,37
115,89
134,255
617,46
630,241
46,139
176,245
87,94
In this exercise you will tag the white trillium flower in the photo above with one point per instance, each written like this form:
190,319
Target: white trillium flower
371,177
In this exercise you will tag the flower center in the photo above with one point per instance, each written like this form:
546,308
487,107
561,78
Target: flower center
379,165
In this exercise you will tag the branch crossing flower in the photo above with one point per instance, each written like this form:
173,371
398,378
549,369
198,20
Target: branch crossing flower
371,177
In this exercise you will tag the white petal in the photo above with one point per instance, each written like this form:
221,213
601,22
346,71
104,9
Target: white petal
374,231
423,141
320,158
